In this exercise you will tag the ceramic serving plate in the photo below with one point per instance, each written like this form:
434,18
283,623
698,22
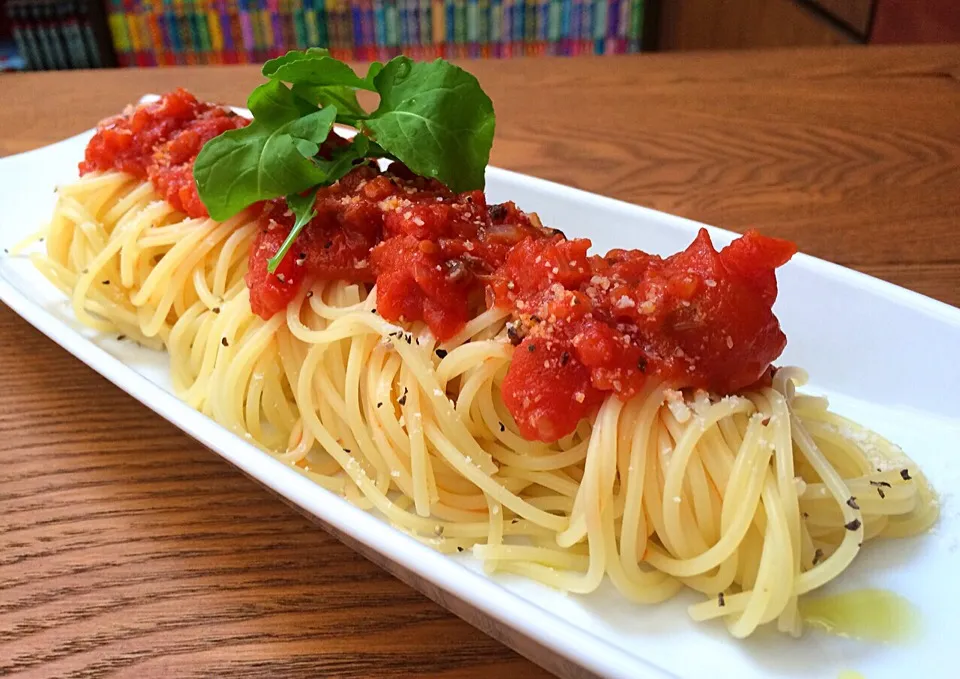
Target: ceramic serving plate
885,356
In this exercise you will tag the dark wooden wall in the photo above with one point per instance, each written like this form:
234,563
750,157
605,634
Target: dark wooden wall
737,24
916,21
734,24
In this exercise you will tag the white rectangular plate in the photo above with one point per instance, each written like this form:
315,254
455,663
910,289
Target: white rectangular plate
886,357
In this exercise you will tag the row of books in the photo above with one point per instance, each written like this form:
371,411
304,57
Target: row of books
57,34
167,32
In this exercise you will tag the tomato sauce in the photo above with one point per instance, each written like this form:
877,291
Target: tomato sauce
159,141
700,318
584,325
429,251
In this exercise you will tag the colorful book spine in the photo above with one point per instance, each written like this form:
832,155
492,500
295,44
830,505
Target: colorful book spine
415,49
438,16
283,28
118,31
543,23
483,28
554,20
566,11
214,32
344,22
168,32
95,51
308,18
62,16
266,23
33,28
449,24
73,37
576,9
220,33
506,29
130,19
380,29
144,50
527,14
586,27
201,31
519,27
253,42
298,24
37,28
260,39
187,54
65,17
334,25
425,16
196,18
369,31
324,22
236,33
23,36
624,26
599,25
208,24
356,29
392,29
403,26
496,29
473,20
153,11
51,37
636,26
188,29
247,36
613,26
141,34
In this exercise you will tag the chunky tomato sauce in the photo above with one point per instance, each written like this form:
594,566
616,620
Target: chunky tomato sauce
430,251
584,325
589,325
159,142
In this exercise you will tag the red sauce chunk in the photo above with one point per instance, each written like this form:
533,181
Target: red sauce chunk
430,251
585,326
159,141
700,318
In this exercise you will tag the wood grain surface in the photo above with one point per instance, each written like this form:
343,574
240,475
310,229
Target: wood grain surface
127,547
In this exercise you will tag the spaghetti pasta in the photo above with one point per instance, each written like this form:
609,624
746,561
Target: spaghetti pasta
752,499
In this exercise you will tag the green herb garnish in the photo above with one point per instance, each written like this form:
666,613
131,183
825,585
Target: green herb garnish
433,117
302,207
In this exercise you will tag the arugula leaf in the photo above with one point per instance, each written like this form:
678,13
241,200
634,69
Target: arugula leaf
271,65
436,119
372,71
314,68
303,209
341,162
254,163
344,158
341,96
274,104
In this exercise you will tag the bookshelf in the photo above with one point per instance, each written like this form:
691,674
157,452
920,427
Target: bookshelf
148,33
54,35
185,32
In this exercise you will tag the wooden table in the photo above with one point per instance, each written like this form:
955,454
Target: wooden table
124,545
